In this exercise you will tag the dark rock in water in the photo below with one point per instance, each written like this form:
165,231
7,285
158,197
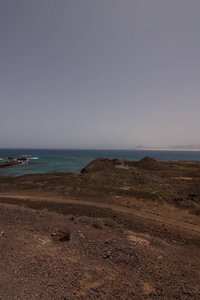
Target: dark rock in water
22,159
10,158
9,164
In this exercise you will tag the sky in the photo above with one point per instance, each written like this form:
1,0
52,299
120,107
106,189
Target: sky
99,74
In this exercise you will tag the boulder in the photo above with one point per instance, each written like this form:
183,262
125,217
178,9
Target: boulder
22,159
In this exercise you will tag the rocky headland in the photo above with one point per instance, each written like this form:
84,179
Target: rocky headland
13,162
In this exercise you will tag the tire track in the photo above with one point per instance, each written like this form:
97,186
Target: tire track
120,209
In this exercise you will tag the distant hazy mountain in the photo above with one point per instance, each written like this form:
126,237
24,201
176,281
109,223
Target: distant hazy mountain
176,147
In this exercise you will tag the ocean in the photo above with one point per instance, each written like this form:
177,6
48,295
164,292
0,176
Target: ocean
48,161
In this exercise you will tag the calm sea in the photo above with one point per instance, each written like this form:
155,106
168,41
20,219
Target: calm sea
47,161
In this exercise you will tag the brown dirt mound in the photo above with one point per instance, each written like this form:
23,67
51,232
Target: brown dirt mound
99,164
106,171
148,163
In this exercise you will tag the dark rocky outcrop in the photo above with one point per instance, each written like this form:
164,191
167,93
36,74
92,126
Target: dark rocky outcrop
99,164
117,161
148,163
106,171
22,159
12,162
9,164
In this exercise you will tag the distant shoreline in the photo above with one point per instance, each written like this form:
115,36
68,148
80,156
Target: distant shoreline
166,149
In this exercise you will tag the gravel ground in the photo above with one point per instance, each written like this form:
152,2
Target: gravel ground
46,255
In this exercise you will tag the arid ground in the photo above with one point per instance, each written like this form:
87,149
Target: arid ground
118,230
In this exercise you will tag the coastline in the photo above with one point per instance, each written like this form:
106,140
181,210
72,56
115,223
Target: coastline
166,149
49,161
10,164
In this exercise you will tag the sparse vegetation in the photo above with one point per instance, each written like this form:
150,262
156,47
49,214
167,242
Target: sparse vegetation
98,223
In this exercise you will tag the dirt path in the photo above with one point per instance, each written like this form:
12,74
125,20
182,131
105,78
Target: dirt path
131,211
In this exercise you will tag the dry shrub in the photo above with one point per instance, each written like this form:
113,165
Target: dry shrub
98,223
110,222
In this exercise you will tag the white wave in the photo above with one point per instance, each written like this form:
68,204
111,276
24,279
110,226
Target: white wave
24,163
34,157
1,158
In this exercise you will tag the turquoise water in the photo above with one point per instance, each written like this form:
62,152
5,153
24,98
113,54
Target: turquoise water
48,161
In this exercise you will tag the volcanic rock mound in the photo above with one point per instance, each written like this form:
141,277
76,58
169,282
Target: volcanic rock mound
99,165
148,163
106,171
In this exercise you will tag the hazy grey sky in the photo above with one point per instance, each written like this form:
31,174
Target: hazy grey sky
99,73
